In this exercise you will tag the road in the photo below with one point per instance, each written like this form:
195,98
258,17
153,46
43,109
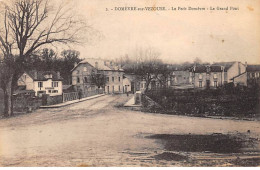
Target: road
99,133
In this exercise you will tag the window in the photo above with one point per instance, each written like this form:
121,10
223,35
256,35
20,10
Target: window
107,79
200,76
54,91
78,80
113,79
215,84
200,83
55,84
119,79
49,91
85,69
40,84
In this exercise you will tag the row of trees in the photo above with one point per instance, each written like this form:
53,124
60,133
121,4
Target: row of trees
145,63
48,59
25,27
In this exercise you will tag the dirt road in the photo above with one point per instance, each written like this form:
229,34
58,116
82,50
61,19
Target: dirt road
96,133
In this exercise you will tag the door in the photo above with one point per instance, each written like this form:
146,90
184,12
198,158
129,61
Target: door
208,83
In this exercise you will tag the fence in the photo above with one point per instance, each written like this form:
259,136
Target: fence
70,96
75,95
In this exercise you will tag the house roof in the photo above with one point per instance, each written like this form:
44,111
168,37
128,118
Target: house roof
237,76
40,75
200,69
131,77
226,65
252,68
64,87
18,91
204,68
215,69
100,64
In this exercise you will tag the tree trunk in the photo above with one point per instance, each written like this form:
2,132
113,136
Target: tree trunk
5,103
147,86
8,99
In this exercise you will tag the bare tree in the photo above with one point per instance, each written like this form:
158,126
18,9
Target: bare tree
27,25
147,65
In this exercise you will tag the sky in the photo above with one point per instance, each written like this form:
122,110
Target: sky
179,36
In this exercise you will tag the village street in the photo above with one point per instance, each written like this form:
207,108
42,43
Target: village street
99,132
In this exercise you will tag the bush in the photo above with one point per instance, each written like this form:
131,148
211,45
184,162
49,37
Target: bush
224,101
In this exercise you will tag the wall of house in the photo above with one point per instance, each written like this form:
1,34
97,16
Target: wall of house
197,79
180,77
219,79
213,77
26,80
236,69
241,80
83,72
47,87
126,85
115,82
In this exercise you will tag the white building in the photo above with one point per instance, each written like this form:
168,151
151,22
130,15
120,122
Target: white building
42,82
113,74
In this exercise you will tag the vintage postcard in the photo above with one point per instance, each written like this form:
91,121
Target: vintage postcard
129,83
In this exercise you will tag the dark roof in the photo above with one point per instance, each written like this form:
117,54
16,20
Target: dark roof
204,69
227,65
100,64
40,75
200,69
215,69
252,68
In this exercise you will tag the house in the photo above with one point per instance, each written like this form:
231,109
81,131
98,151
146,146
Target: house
207,76
217,74
180,77
250,77
231,69
107,71
42,82
253,74
131,83
67,88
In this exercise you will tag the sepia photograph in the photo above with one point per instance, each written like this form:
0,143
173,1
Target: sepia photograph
129,83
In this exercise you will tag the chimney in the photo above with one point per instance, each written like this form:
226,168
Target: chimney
58,74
